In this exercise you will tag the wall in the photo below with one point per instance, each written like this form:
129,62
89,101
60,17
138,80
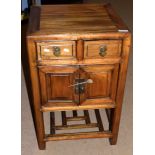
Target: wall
24,4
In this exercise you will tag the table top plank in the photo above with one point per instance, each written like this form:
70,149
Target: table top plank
74,19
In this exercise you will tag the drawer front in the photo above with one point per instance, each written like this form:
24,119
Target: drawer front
56,50
102,49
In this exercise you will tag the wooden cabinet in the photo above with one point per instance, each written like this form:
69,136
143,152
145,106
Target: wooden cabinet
78,56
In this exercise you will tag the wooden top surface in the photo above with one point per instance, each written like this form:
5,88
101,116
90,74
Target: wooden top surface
75,19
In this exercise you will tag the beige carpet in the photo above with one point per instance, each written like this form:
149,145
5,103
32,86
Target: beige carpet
85,146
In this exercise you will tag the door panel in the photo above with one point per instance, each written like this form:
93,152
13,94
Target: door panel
61,84
104,79
55,82
100,86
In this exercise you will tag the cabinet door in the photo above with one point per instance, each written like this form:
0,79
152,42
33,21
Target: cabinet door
55,82
102,87
60,86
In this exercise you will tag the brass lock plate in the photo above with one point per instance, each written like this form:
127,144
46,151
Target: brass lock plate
79,88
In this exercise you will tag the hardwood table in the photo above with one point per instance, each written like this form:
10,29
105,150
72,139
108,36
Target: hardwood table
78,56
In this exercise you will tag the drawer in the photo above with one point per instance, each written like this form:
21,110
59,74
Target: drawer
56,50
102,49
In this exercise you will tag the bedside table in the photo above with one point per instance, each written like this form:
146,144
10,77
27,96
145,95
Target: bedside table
78,56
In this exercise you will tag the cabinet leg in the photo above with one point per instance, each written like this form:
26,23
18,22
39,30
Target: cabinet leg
113,140
114,124
39,127
42,146
36,100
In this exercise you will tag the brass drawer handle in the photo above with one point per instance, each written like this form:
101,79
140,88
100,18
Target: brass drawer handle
56,51
103,50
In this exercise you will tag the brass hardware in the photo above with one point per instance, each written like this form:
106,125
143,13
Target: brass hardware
76,101
103,50
79,88
85,81
56,51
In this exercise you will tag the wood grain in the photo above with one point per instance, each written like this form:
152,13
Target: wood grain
63,116
104,84
99,120
92,49
77,118
55,82
76,126
82,62
86,113
101,103
38,115
115,17
45,50
52,123
83,135
120,90
91,18
80,30
76,20
79,50
75,113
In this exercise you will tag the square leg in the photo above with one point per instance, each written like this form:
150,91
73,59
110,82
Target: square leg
114,122
39,127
